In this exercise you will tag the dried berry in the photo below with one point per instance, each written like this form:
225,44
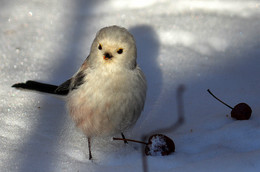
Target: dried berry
241,111
159,145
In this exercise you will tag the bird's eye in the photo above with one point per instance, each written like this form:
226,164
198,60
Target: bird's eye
100,47
120,51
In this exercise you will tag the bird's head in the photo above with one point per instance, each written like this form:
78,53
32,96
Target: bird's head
114,46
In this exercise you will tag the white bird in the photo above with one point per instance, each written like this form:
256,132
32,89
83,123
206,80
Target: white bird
107,94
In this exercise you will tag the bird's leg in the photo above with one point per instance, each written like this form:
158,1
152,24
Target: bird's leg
123,136
89,148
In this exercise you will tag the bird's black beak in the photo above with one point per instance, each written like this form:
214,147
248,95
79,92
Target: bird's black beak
108,56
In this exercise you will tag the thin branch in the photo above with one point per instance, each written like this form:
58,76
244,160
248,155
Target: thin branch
219,99
130,140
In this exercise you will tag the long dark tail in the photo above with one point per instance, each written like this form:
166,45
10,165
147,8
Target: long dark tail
41,87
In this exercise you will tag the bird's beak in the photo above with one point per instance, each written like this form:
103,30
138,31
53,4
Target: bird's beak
108,56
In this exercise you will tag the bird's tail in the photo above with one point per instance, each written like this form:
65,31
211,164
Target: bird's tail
41,87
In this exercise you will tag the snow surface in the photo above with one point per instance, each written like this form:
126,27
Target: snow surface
201,44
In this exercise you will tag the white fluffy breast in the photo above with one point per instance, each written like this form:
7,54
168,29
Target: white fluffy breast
110,100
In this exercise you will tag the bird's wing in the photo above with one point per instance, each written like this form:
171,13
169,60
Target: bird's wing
78,80
64,87
75,81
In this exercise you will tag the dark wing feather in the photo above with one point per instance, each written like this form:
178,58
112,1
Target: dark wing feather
71,84
64,88
78,80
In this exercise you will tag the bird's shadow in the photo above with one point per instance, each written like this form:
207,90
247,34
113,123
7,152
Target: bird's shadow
148,52
147,43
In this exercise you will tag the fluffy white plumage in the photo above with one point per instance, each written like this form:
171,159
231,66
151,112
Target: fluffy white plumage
112,95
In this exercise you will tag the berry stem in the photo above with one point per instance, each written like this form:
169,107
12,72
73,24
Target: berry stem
130,140
219,99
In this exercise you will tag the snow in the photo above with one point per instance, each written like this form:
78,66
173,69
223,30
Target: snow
199,44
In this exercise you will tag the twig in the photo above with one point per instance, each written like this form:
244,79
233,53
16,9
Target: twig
130,140
219,99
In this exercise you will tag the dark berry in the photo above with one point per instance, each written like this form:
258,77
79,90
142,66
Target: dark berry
159,145
241,111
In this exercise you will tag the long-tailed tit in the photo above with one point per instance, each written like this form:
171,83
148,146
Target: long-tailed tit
107,94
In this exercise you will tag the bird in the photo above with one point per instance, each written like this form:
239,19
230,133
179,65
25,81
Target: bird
107,94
